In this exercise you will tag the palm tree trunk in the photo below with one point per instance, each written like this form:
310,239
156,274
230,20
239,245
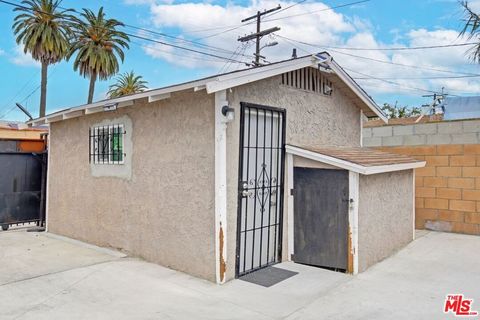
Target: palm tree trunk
43,90
91,89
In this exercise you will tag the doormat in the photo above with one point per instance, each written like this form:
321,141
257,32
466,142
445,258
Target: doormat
268,277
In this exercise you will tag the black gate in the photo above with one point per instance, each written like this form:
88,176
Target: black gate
321,217
22,176
260,190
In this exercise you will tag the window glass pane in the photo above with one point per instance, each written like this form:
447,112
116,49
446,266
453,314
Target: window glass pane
117,145
103,144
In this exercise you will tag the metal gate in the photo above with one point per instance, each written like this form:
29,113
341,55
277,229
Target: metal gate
260,190
321,217
22,188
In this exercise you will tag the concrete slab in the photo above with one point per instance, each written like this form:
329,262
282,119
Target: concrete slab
25,255
96,285
410,285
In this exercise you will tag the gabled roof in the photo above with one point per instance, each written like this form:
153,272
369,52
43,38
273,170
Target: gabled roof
216,83
361,160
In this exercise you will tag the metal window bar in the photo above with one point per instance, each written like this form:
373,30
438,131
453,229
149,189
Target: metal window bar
259,240
106,144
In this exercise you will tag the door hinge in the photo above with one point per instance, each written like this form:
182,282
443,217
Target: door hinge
292,192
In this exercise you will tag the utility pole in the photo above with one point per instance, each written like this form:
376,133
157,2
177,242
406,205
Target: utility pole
259,34
437,100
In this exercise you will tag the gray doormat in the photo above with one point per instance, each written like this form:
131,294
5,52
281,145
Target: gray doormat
268,277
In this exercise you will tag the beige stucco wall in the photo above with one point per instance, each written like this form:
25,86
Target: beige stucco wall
385,215
163,211
312,120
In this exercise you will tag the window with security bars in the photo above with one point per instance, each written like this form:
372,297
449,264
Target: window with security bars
308,79
106,144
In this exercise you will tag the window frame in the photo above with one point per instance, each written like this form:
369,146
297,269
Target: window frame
100,158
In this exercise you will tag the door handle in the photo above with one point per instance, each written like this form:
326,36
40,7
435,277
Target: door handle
247,193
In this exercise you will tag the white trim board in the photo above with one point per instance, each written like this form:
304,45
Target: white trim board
220,188
290,208
350,165
213,84
353,190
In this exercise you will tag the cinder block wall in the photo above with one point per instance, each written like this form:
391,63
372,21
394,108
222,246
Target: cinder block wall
448,188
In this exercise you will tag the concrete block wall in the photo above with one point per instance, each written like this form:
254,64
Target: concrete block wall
447,189
435,133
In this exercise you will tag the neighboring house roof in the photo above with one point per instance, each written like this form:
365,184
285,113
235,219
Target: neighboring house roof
233,79
361,160
403,121
458,108
20,126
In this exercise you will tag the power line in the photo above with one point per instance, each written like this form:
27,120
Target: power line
184,56
140,37
286,8
392,82
380,79
21,90
162,34
388,49
235,27
384,61
421,78
320,10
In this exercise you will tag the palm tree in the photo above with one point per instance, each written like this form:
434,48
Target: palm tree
44,32
98,45
472,27
127,83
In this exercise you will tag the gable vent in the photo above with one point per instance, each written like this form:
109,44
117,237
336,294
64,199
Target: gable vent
308,79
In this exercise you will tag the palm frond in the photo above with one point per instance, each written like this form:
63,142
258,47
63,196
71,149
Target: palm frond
127,83
472,30
98,45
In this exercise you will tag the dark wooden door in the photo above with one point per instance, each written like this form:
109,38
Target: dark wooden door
321,217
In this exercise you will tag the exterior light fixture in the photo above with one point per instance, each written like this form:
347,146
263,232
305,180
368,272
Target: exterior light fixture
110,107
270,44
228,113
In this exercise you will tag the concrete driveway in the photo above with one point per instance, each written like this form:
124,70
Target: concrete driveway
47,277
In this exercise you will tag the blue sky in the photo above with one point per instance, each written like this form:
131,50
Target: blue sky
374,24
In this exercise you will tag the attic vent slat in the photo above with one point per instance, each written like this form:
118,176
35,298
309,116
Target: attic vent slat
308,79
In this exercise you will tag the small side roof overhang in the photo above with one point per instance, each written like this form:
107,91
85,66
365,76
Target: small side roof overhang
365,161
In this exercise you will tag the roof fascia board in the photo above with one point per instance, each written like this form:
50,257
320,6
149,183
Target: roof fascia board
251,75
325,159
355,88
347,165
394,167
126,99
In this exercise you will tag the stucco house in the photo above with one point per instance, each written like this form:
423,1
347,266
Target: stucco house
226,175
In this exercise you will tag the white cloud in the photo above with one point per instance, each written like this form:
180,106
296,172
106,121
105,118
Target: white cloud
2,52
201,21
23,59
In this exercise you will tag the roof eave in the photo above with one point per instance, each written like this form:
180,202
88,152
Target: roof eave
218,83
350,166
